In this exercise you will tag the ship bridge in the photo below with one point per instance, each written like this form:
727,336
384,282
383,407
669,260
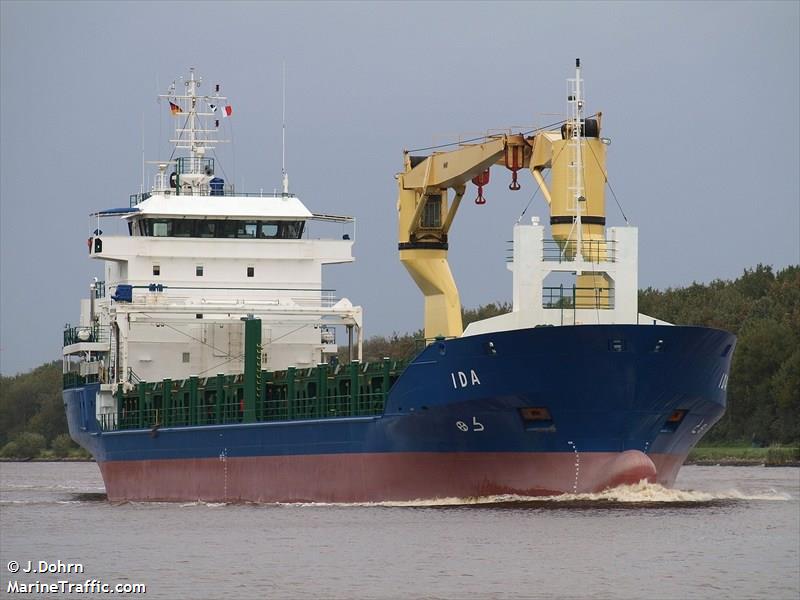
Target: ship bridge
199,256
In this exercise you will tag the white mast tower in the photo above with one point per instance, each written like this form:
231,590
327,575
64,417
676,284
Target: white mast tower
194,172
575,99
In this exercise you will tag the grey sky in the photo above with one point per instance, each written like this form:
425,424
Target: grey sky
700,99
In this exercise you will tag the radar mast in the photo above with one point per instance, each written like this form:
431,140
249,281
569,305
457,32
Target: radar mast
198,125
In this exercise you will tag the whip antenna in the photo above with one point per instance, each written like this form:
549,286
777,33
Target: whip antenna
283,130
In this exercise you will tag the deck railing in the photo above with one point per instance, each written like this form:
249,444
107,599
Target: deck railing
73,379
315,298
592,250
225,190
577,297
186,165
93,333
293,394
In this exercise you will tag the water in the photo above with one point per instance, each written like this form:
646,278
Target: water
726,532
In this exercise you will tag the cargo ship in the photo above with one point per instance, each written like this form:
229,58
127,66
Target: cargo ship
211,363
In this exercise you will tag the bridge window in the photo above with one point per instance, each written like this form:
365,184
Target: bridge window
226,229
251,271
222,228
161,228
290,230
156,270
206,229
269,230
247,230
198,270
183,228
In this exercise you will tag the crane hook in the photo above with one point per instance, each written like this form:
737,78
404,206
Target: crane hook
481,180
514,161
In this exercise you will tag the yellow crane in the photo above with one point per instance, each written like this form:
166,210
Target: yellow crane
575,155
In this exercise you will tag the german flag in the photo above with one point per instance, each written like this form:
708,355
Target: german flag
176,110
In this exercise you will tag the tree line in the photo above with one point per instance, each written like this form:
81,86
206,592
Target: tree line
32,418
762,307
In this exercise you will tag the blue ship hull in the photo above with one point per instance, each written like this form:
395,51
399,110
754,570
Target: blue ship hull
623,402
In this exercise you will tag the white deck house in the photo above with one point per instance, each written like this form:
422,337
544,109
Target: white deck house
199,258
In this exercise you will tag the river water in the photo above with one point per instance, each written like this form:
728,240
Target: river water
725,532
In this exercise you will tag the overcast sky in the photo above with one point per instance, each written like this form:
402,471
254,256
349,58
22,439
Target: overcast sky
700,101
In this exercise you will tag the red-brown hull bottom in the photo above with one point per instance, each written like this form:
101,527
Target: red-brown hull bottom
380,476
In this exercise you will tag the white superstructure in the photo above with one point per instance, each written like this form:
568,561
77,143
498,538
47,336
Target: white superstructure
199,257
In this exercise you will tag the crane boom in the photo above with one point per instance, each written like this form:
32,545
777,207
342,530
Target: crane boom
426,210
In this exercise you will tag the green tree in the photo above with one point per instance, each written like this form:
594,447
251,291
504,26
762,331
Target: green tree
486,311
785,386
63,445
24,445
32,402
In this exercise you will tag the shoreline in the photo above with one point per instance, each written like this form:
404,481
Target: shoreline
736,462
47,459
